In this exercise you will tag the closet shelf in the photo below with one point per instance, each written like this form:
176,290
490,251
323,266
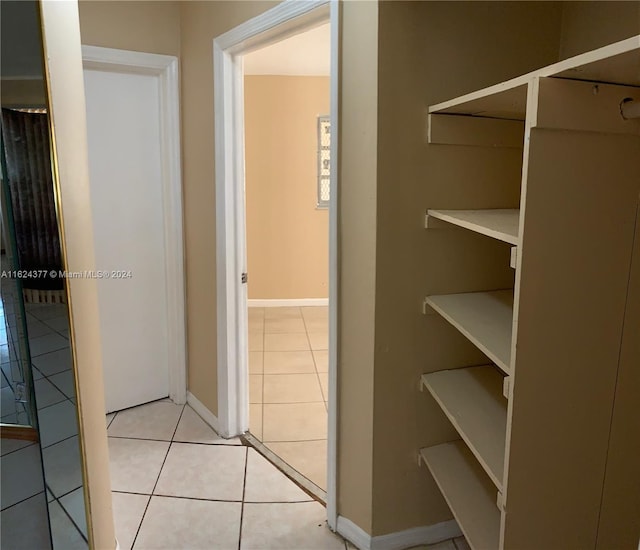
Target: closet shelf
485,318
468,492
501,224
472,400
614,64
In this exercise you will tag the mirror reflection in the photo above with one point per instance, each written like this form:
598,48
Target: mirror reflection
42,483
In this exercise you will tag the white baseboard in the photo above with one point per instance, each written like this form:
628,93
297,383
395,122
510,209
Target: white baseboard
203,412
429,534
353,533
293,302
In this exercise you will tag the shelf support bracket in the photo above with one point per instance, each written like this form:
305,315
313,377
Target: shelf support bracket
506,387
431,222
426,308
514,257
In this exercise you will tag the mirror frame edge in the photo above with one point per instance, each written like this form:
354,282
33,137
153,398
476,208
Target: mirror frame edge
70,165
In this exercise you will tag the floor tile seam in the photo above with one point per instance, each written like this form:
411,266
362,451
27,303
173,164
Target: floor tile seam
66,512
50,351
48,377
25,499
182,497
60,441
140,438
244,490
63,495
135,538
20,449
52,374
55,329
157,479
51,404
111,421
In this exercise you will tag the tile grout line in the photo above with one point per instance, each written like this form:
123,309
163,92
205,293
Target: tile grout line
325,397
264,345
65,439
135,538
25,499
244,490
66,512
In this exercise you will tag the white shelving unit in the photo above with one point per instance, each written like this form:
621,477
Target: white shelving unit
561,334
472,399
501,224
470,496
485,318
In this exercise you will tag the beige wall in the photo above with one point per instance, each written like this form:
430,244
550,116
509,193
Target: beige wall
287,235
357,192
201,22
396,58
152,27
590,25
429,52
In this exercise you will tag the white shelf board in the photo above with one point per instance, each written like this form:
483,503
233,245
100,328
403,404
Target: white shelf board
501,224
485,318
617,63
468,492
473,401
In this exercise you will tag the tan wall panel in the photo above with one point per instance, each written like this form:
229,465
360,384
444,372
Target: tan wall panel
575,273
620,515
590,25
287,235
430,52
358,136
201,22
152,26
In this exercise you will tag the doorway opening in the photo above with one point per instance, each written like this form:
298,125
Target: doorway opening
287,195
276,305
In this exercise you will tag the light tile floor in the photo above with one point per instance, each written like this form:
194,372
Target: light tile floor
178,485
48,335
288,370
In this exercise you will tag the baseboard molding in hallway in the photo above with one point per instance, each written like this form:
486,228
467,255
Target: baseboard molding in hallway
204,413
292,302
429,534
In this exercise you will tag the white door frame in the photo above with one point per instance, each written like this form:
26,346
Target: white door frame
166,68
286,19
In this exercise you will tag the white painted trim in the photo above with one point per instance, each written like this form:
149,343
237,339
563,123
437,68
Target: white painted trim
332,405
203,412
429,534
166,68
286,19
292,302
353,533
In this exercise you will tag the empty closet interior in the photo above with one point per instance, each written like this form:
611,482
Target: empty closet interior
527,265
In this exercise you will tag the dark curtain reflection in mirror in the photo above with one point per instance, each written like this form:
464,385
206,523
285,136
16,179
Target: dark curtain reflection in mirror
42,485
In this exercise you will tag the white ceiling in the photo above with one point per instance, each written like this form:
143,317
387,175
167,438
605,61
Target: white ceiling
306,54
